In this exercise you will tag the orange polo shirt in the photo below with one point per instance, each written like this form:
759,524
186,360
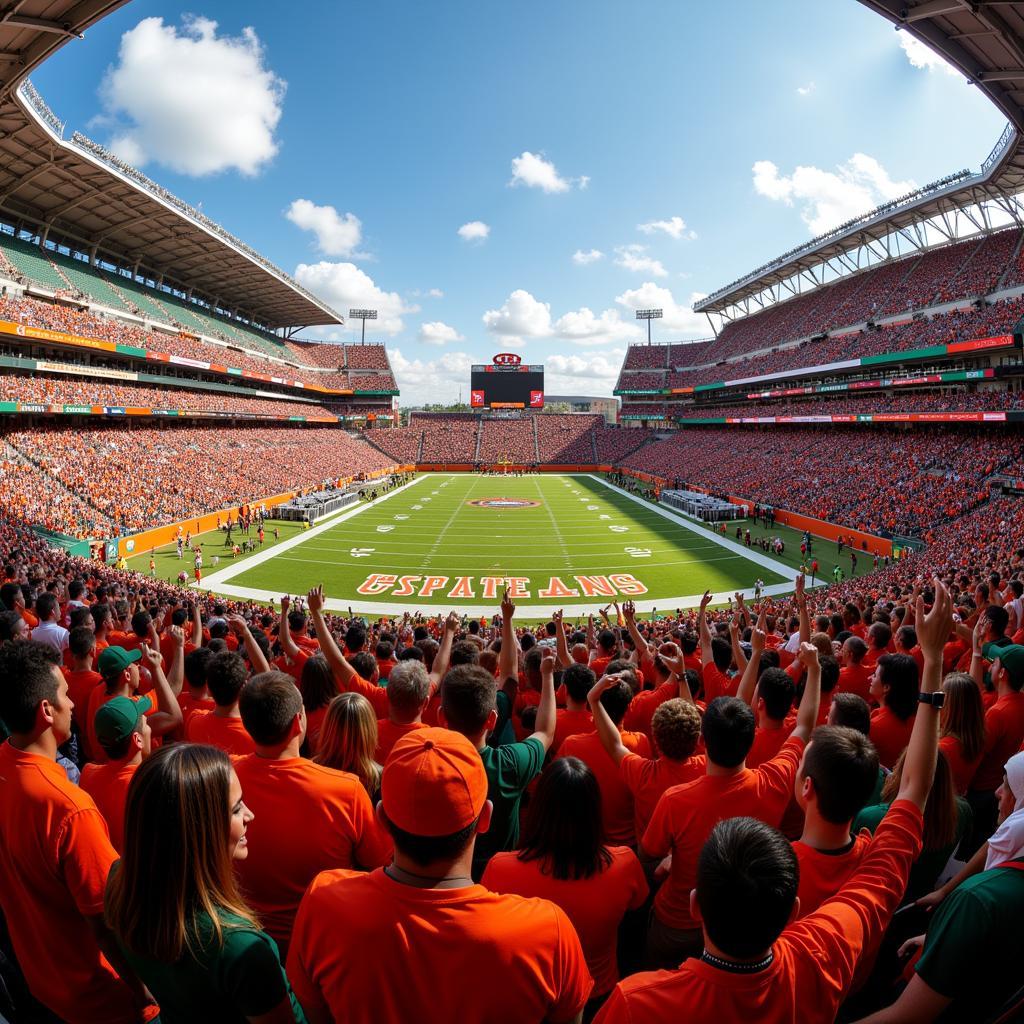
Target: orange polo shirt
685,816
814,958
55,856
616,799
107,784
306,818
353,929
594,905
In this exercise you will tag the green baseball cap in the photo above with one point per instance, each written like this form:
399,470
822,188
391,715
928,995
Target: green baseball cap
113,660
116,720
1011,657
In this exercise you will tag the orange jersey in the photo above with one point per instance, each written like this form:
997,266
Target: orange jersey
352,929
685,816
594,905
823,874
306,818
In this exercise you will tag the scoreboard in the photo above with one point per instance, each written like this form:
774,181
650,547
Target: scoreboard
507,383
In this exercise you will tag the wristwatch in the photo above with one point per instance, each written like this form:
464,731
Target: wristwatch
936,699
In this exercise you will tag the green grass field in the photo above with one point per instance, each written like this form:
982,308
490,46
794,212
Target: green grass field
574,543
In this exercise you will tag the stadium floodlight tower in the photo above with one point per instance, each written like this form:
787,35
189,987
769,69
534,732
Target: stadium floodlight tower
648,315
364,315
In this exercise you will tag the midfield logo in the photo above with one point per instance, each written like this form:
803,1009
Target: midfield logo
504,503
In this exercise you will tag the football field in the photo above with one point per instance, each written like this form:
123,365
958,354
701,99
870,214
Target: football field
456,540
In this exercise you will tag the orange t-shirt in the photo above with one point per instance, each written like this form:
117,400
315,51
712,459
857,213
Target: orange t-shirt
647,780
80,687
616,799
314,723
890,734
1004,731
600,664
190,707
768,742
226,733
388,734
570,723
594,905
854,679
107,784
815,957
718,683
823,874
642,707
55,856
962,769
352,929
685,816
306,818
376,695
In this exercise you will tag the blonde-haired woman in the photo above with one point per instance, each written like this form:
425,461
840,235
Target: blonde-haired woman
173,902
348,738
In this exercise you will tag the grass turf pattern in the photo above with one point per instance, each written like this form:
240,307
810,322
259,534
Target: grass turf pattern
566,527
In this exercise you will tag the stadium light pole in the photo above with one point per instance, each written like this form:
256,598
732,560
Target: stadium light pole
648,315
364,315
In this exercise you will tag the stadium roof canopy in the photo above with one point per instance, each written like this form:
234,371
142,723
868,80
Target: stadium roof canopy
984,39
75,193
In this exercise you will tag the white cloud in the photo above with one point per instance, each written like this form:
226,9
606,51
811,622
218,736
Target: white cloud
829,198
923,56
590,373
424,381
806,90
344,285
435,293
438,333
584,258
336,235
474,231
521,316
582,327
583,181
193,101
674,227
678,318
533,171
633,257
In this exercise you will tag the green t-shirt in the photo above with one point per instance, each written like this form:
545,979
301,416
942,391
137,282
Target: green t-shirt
227,983
928,866
975,944
510,769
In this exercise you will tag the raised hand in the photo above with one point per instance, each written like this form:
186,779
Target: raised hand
286,602
508,609
808,655
629,611
451,623
705,600
315,598
547,661
933,629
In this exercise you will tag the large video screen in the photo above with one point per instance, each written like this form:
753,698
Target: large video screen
507,387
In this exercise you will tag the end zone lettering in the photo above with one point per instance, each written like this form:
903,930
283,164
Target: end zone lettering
488,588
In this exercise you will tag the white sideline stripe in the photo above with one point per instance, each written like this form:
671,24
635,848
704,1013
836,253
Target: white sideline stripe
525,611
327,523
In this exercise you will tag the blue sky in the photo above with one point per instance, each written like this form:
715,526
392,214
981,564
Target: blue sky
597,156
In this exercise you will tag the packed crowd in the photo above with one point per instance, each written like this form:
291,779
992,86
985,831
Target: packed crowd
72,320
939,473
508,440
871,401
710,816
139,478
73,391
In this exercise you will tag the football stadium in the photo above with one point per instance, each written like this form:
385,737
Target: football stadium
693,695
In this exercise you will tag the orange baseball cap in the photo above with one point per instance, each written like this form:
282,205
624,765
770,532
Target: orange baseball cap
434,783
